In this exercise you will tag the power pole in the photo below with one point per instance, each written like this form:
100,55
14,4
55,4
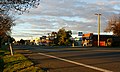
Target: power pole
98,28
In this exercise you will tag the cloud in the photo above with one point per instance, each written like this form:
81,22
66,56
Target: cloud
114,2
76,15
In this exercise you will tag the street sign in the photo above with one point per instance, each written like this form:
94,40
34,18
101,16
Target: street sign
80,33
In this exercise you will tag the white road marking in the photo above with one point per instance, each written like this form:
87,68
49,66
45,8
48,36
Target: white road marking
27,50
108,50
77,63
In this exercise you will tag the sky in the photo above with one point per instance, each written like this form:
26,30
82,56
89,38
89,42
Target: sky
74,15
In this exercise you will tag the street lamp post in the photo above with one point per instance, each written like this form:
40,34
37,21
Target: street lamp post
98,28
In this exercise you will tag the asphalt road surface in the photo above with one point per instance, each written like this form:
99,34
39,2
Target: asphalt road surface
77,59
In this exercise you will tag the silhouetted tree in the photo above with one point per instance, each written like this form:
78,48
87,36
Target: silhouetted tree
6,39
114,25
11,39
68,36
54,37
22,41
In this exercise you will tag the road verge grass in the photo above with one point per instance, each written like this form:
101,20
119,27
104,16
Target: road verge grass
16,63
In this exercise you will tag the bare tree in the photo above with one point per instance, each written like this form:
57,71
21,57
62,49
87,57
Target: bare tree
114,25
17,6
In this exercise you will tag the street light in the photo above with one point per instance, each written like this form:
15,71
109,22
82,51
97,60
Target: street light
98,14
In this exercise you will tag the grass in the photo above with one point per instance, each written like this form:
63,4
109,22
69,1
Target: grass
16,63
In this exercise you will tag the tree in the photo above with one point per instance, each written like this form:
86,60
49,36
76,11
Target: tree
114,25
10,7
68,37
61,36
6,23
17,6
22,41
64,37
54,38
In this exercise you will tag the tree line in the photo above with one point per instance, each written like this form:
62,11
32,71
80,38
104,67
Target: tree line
61,38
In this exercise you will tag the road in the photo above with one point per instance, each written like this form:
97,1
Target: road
77,59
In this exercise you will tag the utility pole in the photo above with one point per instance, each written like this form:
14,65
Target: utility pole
98,28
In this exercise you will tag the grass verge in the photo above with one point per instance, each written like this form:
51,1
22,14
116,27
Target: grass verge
16,63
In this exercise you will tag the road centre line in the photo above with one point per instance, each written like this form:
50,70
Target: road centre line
77,63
